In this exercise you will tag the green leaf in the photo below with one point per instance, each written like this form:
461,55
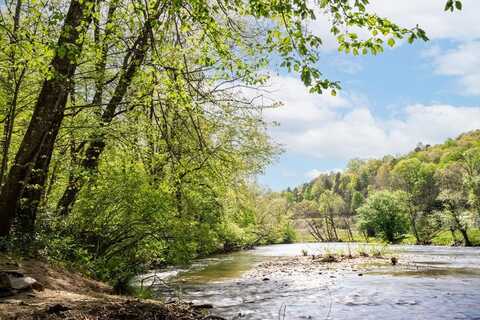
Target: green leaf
61,51
306,76
448,5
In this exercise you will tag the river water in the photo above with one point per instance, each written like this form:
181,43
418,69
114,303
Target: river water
437,283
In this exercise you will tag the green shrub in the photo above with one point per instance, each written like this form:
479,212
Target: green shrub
289,234
386,213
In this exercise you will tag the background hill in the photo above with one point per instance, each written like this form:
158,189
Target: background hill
437,188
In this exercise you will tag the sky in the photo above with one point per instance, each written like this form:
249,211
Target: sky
425,92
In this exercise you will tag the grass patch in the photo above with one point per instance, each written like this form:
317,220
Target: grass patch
377,251
445,237
408,239
143,293
332,255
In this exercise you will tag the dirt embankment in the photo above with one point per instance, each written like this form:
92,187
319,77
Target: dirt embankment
62,294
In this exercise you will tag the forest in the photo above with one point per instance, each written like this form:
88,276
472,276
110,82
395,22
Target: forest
430,195
132,133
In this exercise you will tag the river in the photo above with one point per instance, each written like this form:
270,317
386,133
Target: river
436,283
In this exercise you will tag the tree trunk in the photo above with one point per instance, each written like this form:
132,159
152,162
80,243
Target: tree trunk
15,83
7,135
349,229
98,141
69,195
37,145
454,237
413,223
466,240
32,192
315,230
334,228
328,234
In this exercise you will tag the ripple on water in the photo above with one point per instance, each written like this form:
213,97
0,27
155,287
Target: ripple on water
429,272
437,283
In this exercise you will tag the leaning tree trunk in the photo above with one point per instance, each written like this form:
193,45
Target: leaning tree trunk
315,230
24,183
73,186
334,228
349,229
466,240
454,237
98,141
32,193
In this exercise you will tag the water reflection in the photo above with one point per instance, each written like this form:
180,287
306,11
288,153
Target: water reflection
220,268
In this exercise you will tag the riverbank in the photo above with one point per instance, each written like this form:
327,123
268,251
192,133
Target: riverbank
63,294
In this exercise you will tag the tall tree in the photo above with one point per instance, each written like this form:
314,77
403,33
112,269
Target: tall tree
15,76
26,178
471,164
417,180
133,60
454,196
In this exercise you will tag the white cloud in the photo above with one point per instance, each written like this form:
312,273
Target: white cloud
312,174
336,128
308,109
462,62
429,14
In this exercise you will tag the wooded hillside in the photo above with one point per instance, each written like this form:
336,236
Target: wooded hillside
422,193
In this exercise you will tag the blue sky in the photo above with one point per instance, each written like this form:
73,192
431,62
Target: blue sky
425,92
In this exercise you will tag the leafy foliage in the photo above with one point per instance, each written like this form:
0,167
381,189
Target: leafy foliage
386,213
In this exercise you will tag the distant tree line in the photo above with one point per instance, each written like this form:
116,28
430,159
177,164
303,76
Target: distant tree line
431,190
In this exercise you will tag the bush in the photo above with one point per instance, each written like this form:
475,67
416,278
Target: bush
386,213
289,234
